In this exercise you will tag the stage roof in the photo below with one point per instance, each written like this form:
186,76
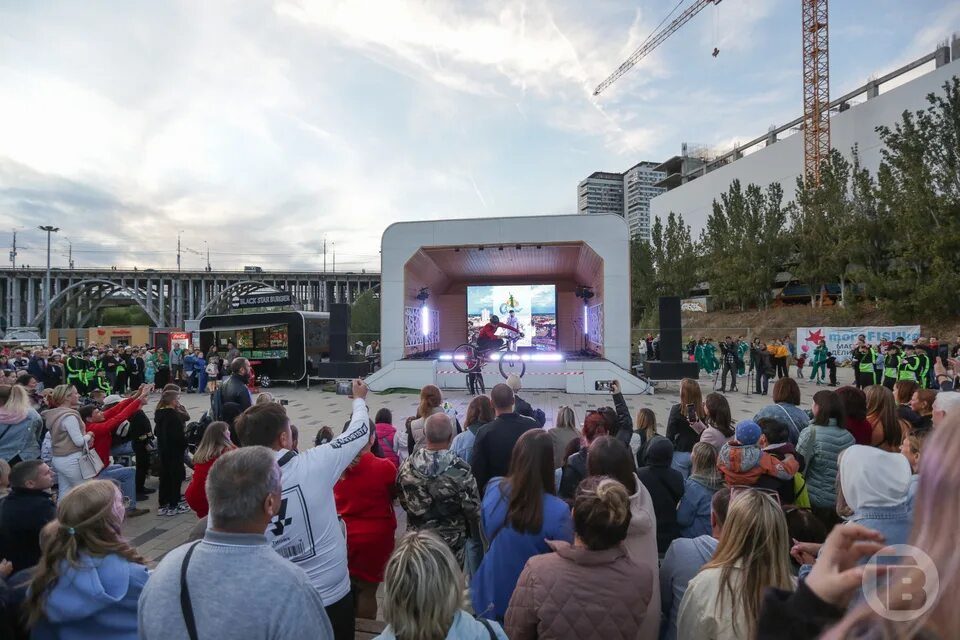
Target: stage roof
568,260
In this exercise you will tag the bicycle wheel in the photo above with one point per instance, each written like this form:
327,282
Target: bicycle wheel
510,363
465,358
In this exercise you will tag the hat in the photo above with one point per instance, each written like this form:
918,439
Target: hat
58,352
513,381
660,452
111,399
747,432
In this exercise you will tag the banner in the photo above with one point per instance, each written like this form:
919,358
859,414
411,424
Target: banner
257,300
840,340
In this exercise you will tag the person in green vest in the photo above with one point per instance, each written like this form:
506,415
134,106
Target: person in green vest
866,366
891,364
74,366
101,382
923,370
819,363
742,349
120,386
909,364
91,367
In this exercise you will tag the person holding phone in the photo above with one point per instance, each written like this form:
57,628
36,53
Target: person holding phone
685,424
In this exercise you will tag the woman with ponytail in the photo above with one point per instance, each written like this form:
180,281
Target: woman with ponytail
89,578
585,579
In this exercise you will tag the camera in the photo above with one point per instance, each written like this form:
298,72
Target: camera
344,388
284,402
603,385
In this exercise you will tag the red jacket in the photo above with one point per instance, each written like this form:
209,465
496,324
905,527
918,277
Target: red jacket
489,330
364,499
196,493
113,417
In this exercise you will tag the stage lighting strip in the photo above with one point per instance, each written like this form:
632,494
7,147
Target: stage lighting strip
529,373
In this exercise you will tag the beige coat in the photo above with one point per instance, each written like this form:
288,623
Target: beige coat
417,428
641,546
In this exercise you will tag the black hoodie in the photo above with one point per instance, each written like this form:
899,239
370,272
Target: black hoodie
666,488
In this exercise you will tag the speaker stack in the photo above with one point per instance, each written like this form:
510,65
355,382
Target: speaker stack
671,365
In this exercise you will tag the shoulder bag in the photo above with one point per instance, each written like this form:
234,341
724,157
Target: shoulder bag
90,463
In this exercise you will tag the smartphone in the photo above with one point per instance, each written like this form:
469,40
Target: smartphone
691,413
284,402
344,388
602,385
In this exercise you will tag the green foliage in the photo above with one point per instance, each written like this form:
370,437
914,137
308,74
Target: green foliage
675,256
365,316
643,279
745,244
131,315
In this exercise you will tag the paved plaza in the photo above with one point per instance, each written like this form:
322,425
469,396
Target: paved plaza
310,410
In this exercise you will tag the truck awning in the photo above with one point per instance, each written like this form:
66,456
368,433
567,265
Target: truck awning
241,327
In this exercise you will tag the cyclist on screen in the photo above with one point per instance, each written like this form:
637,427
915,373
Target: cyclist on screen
487,339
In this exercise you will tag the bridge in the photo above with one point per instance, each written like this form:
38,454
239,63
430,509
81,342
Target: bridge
169,298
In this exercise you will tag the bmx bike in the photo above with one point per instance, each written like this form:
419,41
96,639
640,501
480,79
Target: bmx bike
469,358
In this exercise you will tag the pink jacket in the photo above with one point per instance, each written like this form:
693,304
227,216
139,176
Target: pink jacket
583,594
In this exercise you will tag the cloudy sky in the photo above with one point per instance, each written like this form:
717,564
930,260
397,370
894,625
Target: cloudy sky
259,127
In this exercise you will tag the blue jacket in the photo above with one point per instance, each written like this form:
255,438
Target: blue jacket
820,447
189,362
681,563
96,601
693,513
20,439
893,522
493,584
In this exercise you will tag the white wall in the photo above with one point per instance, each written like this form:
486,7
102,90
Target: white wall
783,161
606,234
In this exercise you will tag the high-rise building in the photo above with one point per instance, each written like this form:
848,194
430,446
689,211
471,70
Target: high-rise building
638,191
601,192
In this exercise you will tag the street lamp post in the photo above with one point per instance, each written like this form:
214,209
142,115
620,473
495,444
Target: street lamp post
46,307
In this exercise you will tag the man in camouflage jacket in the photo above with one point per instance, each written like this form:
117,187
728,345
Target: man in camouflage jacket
437,488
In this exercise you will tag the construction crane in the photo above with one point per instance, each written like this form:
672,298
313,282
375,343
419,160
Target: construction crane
816,76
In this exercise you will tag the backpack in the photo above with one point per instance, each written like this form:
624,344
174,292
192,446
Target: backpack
540,417
216,404
195,430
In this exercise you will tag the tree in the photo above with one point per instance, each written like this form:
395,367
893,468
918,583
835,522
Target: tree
919,182
365,316
643,279
745,244
675,256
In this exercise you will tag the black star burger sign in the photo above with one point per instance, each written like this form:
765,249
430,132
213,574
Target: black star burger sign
258,300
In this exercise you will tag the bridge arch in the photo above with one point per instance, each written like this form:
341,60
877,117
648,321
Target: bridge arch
94,291
221,302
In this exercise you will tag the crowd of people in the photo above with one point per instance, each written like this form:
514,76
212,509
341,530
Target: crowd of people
600,526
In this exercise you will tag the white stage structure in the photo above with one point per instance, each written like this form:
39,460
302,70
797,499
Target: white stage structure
443,257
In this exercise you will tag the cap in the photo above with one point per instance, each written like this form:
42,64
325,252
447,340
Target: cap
747,432
513,381
111,399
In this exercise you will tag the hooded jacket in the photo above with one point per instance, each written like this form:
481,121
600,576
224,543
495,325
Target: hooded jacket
641,546
439,493
744,464
18,434
586,586
97,600
464,627
876,486
693,514
681,563
666,489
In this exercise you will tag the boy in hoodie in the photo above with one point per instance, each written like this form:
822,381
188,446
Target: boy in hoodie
437,488
775,440
683,561
743,461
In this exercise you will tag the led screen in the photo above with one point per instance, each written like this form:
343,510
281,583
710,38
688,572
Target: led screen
534,309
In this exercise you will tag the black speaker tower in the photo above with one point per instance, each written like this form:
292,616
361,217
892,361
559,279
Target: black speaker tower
671,365
339,332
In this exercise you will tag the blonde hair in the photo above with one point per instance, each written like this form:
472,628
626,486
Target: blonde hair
690,394
756,545
4,477
601,512
703,459
59,395
15,400
646,423
168,399
214,443
264,398
88,523
566,419
423,588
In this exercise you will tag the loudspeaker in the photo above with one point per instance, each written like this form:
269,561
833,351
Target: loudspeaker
671,333
339,331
